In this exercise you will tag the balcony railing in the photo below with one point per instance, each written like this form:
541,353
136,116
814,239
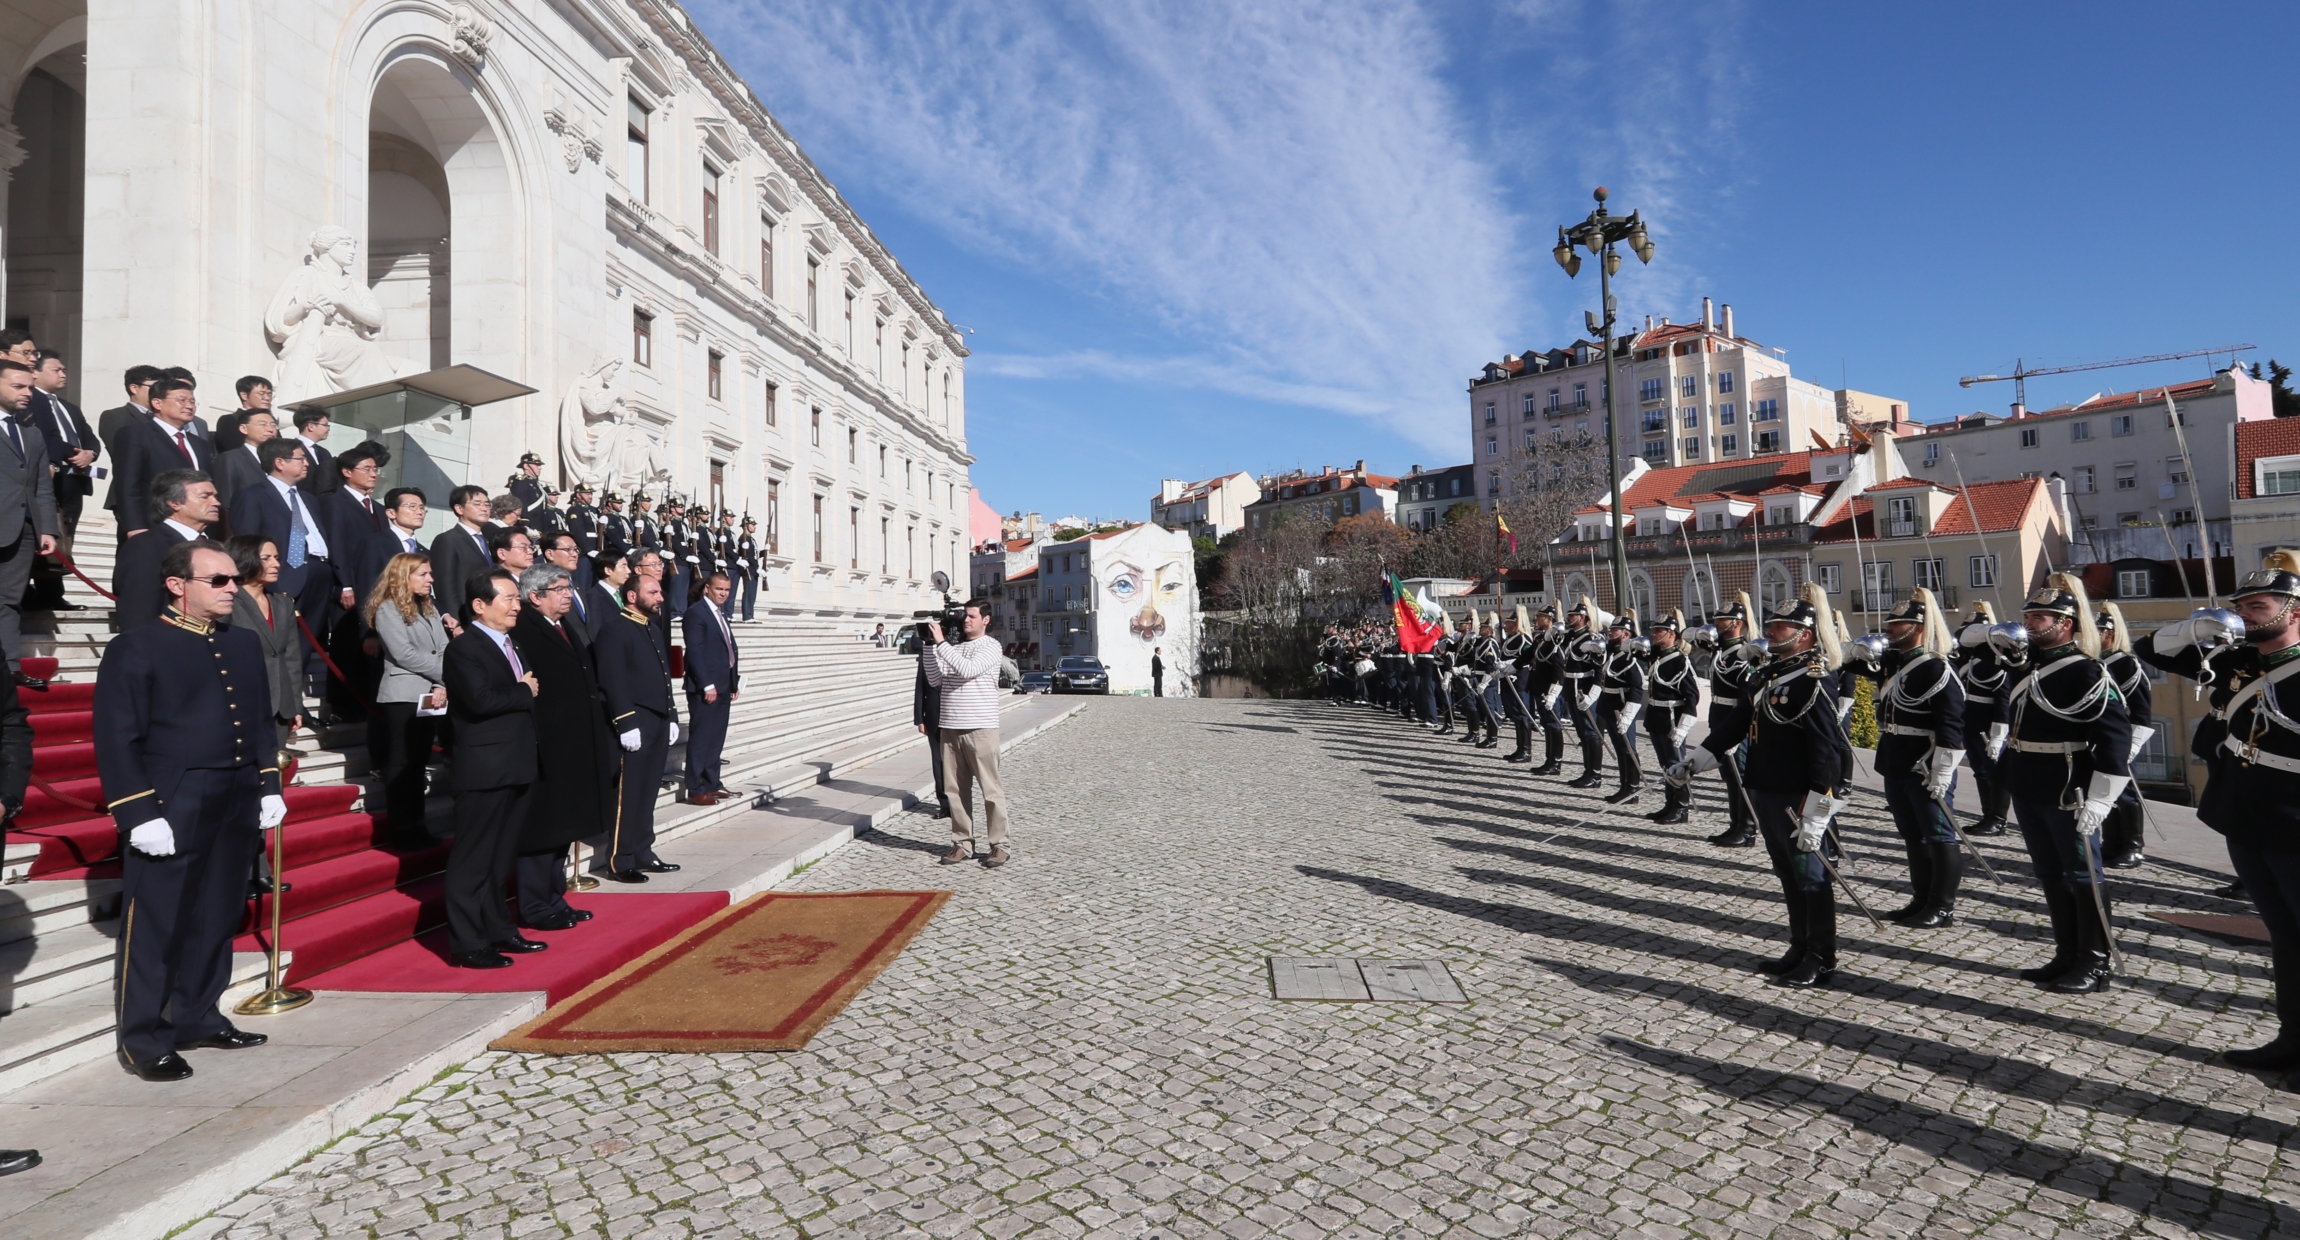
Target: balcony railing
1900,529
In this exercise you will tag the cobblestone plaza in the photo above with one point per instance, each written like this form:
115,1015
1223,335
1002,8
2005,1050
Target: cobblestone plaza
1084,1042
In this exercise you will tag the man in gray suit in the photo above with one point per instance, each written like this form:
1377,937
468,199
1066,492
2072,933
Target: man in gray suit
27,509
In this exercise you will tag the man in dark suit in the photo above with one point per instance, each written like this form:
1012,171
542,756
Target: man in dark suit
559,551
150,446
184,375
185,745
574,786
138,408
255,393
407,510
72,453
278,509
356,525
239,468
184,508
491,697
311,428
28,525
461,550
605,600
635,674
714,676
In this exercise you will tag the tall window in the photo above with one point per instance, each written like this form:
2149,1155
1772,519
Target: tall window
910,552
713,369
1929,574
946,398
642,338
711,210
854,538
815,427
774,517
814,284
906,372
854,444
818,529
1724,380
850,325
878,348
767,255
885,542
772,391
635,162
1765,411
882,460
1981,571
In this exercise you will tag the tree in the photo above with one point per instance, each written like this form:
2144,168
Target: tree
2282,400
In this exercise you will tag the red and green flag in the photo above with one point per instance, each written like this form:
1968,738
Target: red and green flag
1420,622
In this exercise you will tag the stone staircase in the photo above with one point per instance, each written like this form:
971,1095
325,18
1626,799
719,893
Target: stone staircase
818,703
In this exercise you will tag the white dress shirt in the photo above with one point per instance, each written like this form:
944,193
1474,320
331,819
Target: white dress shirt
314,542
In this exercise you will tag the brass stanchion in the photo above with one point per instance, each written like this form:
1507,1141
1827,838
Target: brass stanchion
275,997
577,879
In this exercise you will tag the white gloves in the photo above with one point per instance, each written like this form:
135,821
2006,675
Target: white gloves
1996,741
1629,712
1588,700
153,839
272,813
2099,798
1941,772
630,739
673,739
2181,634
1549,699
2140,737
1813,820
1683,729
1682,773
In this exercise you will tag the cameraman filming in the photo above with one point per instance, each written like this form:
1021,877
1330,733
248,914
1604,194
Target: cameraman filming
965,674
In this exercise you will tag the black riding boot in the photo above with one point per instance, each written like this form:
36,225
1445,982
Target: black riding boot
1820,960
1524,750
1947,865
2284,1052
1920,885
1740,829
2094,963
1552,753
2120,846
1492,732
1800,937
1676,806
2060,906
1592,765
1627,792
1996,798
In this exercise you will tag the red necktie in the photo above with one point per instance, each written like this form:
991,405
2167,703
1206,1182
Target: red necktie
187,452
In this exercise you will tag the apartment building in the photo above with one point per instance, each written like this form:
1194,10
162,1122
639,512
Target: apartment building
2264,511
1324,497
1692,393
1209,509
1425,494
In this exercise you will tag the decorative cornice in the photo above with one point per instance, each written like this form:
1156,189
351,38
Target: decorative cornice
469,32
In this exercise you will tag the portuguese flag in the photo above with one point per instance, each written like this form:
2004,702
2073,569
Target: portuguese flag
1420,623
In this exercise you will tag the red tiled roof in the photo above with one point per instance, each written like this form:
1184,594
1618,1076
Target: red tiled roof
1018,544
1336,484
2003,506
1031,571
1737,479
2274,437
2128,400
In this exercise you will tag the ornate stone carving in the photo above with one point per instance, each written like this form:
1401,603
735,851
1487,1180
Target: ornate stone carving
12,152
601,440
570,131
324,321
471,33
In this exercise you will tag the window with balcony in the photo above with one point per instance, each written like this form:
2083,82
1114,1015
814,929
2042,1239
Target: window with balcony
710,210
1900,517
642,338
1877,586
1492,446
1656,419
1691,418
1724,380
1768,441
714,370
2078,432
1581,396
1690,448
1689,385
1981,571
2120,425
2028,437
1727,445
1529,439
1765,411
1493,482
1781,514
1653,389
1727,415
635,148
1657,451
1489,413
1556,400
1525,406
1928,575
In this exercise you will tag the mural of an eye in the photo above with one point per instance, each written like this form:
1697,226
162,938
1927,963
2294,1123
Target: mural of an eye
1125,586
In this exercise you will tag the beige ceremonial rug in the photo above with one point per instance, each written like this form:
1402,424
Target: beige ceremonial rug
762,975
2233,929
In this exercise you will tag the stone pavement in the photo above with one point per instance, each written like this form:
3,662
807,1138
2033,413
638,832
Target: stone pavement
1084,1042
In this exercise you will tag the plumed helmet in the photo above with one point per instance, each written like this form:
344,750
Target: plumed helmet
529,458
610,498
1794,610
1549,609
2115,634
1580,608
2278,574
1735,608
1625,622
1668,621
2063,595
1524,622
582,488
1911,610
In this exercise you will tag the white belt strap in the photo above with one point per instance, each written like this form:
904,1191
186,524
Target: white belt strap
2051,746
1902,729
2263,757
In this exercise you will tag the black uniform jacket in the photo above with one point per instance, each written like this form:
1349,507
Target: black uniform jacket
1621,676
2250,742
575,752
1733,674
2067,721
1920,704
634,672
1669,683
176,696
1790,720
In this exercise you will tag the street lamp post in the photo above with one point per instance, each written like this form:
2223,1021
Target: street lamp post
1598,234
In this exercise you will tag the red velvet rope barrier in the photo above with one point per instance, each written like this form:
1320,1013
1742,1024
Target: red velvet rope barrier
84,578
66,797
335,671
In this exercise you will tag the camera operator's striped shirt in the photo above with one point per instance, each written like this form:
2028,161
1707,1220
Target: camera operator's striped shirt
967,675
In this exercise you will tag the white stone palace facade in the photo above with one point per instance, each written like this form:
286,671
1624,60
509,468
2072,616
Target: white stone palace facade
578,195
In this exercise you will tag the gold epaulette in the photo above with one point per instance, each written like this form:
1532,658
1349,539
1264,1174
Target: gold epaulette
635,616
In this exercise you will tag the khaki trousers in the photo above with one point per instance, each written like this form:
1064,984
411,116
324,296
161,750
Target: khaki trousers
968,758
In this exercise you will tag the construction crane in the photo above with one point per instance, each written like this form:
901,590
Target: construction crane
2021,374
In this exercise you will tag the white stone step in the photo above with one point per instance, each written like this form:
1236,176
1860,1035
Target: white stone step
57,961
38,906
77,1026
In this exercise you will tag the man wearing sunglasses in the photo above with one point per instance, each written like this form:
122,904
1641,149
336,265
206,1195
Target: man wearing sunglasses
185,746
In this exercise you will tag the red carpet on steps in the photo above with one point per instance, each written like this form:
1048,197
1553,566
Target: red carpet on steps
625,926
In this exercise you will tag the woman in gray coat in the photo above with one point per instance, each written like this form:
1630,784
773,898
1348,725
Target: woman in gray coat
263,609
412,696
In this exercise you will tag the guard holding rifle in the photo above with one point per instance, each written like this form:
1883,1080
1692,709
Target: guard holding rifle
1672,698
1920,739
2250,745
1796,755
2065,750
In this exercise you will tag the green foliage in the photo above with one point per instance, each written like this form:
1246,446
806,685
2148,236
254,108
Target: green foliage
2283,401
1463,511
1067,535
1863,725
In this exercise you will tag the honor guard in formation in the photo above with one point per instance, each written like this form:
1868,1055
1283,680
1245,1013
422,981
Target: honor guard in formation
1796,755
614,527
1920,705
1620,696
2065,744
1542,687
1474,663
1672,701
1735,657
2250,747
1514,652
1579,656
1986,680
2121,842
527,484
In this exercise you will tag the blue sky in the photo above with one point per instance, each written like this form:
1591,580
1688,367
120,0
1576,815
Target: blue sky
1193,237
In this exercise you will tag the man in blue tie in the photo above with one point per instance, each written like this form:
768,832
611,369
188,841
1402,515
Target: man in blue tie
279,510
407,509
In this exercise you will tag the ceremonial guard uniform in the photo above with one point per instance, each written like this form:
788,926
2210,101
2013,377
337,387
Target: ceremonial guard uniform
1620,696
187,752
583,523
1429,686
730,558
614,527
1986,679
2065,760
1579,655
1920,706
547,519
1542,687
646,530
747,551
1515,654
1672,700
1796,754
678,559
1734,671
526,488
2121,836
1330,659
1475,662
2250,745
635,676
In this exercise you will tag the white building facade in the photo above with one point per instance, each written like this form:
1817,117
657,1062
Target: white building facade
1208,509
580,196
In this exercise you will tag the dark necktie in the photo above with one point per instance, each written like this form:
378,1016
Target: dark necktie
16,438
181,448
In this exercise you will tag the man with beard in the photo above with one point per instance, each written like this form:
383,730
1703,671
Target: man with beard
635,674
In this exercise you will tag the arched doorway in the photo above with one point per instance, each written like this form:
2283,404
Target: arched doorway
46,211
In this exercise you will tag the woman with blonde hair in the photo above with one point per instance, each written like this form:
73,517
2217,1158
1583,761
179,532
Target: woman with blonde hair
412,694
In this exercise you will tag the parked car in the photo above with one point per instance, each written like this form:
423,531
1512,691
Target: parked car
1081,673
1036,682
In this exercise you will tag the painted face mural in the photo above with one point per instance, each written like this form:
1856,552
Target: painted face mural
1148,593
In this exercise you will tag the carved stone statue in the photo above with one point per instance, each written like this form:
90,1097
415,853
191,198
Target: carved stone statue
324,321
601,441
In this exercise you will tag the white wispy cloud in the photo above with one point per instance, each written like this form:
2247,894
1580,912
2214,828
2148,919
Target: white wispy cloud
1287,188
